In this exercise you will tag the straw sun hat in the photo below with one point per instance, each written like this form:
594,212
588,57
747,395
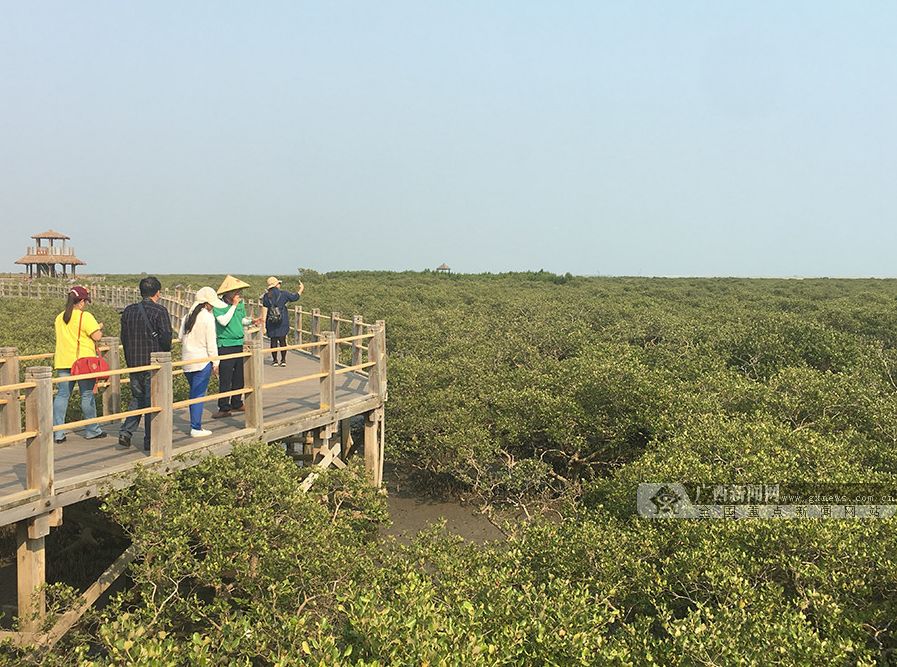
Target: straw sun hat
230,283
273,282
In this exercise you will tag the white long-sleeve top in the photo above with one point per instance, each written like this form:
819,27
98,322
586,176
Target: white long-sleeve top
200,342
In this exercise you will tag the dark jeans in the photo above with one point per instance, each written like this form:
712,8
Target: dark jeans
279,341
140,398
230,377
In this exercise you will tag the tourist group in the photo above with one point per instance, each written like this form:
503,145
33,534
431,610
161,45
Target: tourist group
214,327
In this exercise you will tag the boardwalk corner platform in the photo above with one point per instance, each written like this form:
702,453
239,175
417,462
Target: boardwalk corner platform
329,382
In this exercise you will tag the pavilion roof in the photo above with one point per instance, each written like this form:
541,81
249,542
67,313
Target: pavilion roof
50,234
50,259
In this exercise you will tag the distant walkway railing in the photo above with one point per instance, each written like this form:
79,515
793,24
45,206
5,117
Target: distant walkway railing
178,301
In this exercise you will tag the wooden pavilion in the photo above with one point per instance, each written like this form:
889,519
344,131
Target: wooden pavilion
443,268
41,260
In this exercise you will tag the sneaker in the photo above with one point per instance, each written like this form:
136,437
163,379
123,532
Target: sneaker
58,440
199,433
124,440
97,437
283,364
221,414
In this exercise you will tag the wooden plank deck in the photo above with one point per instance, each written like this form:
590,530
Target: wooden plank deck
78,459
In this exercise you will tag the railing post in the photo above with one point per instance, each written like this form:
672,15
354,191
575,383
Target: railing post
253,374
357,330
112,393
328,366
381,359
161,396
375,383
30,533
334,322
298,312
10,416
334,327
315,325
39,418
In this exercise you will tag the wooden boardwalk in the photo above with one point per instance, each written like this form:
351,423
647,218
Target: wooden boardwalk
310,402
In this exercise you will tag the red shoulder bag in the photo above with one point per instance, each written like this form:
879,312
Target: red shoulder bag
86,365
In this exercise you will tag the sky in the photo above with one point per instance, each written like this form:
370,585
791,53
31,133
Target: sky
600,138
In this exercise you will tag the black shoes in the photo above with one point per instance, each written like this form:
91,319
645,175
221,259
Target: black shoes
124,440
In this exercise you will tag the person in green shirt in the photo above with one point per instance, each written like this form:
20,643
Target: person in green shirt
229,323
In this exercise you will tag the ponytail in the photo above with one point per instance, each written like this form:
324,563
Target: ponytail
70,303
191,318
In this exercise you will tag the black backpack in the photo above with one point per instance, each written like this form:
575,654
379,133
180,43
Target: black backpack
275,314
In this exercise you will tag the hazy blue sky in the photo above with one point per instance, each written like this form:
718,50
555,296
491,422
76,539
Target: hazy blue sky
653,138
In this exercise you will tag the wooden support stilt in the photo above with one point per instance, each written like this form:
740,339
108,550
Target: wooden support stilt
308,448
381,446
372,447
317,445
30,533
324,446
345,437
31,574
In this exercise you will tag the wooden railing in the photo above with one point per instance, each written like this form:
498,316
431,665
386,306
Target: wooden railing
35,389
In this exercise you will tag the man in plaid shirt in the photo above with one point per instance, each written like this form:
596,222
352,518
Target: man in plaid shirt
145,328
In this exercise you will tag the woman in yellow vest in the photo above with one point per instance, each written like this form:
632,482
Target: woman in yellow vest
76,333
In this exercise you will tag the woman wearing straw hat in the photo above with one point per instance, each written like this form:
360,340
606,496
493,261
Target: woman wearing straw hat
229,323
76,334
199,341
277,322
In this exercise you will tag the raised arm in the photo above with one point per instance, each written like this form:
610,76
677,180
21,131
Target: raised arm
225,318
